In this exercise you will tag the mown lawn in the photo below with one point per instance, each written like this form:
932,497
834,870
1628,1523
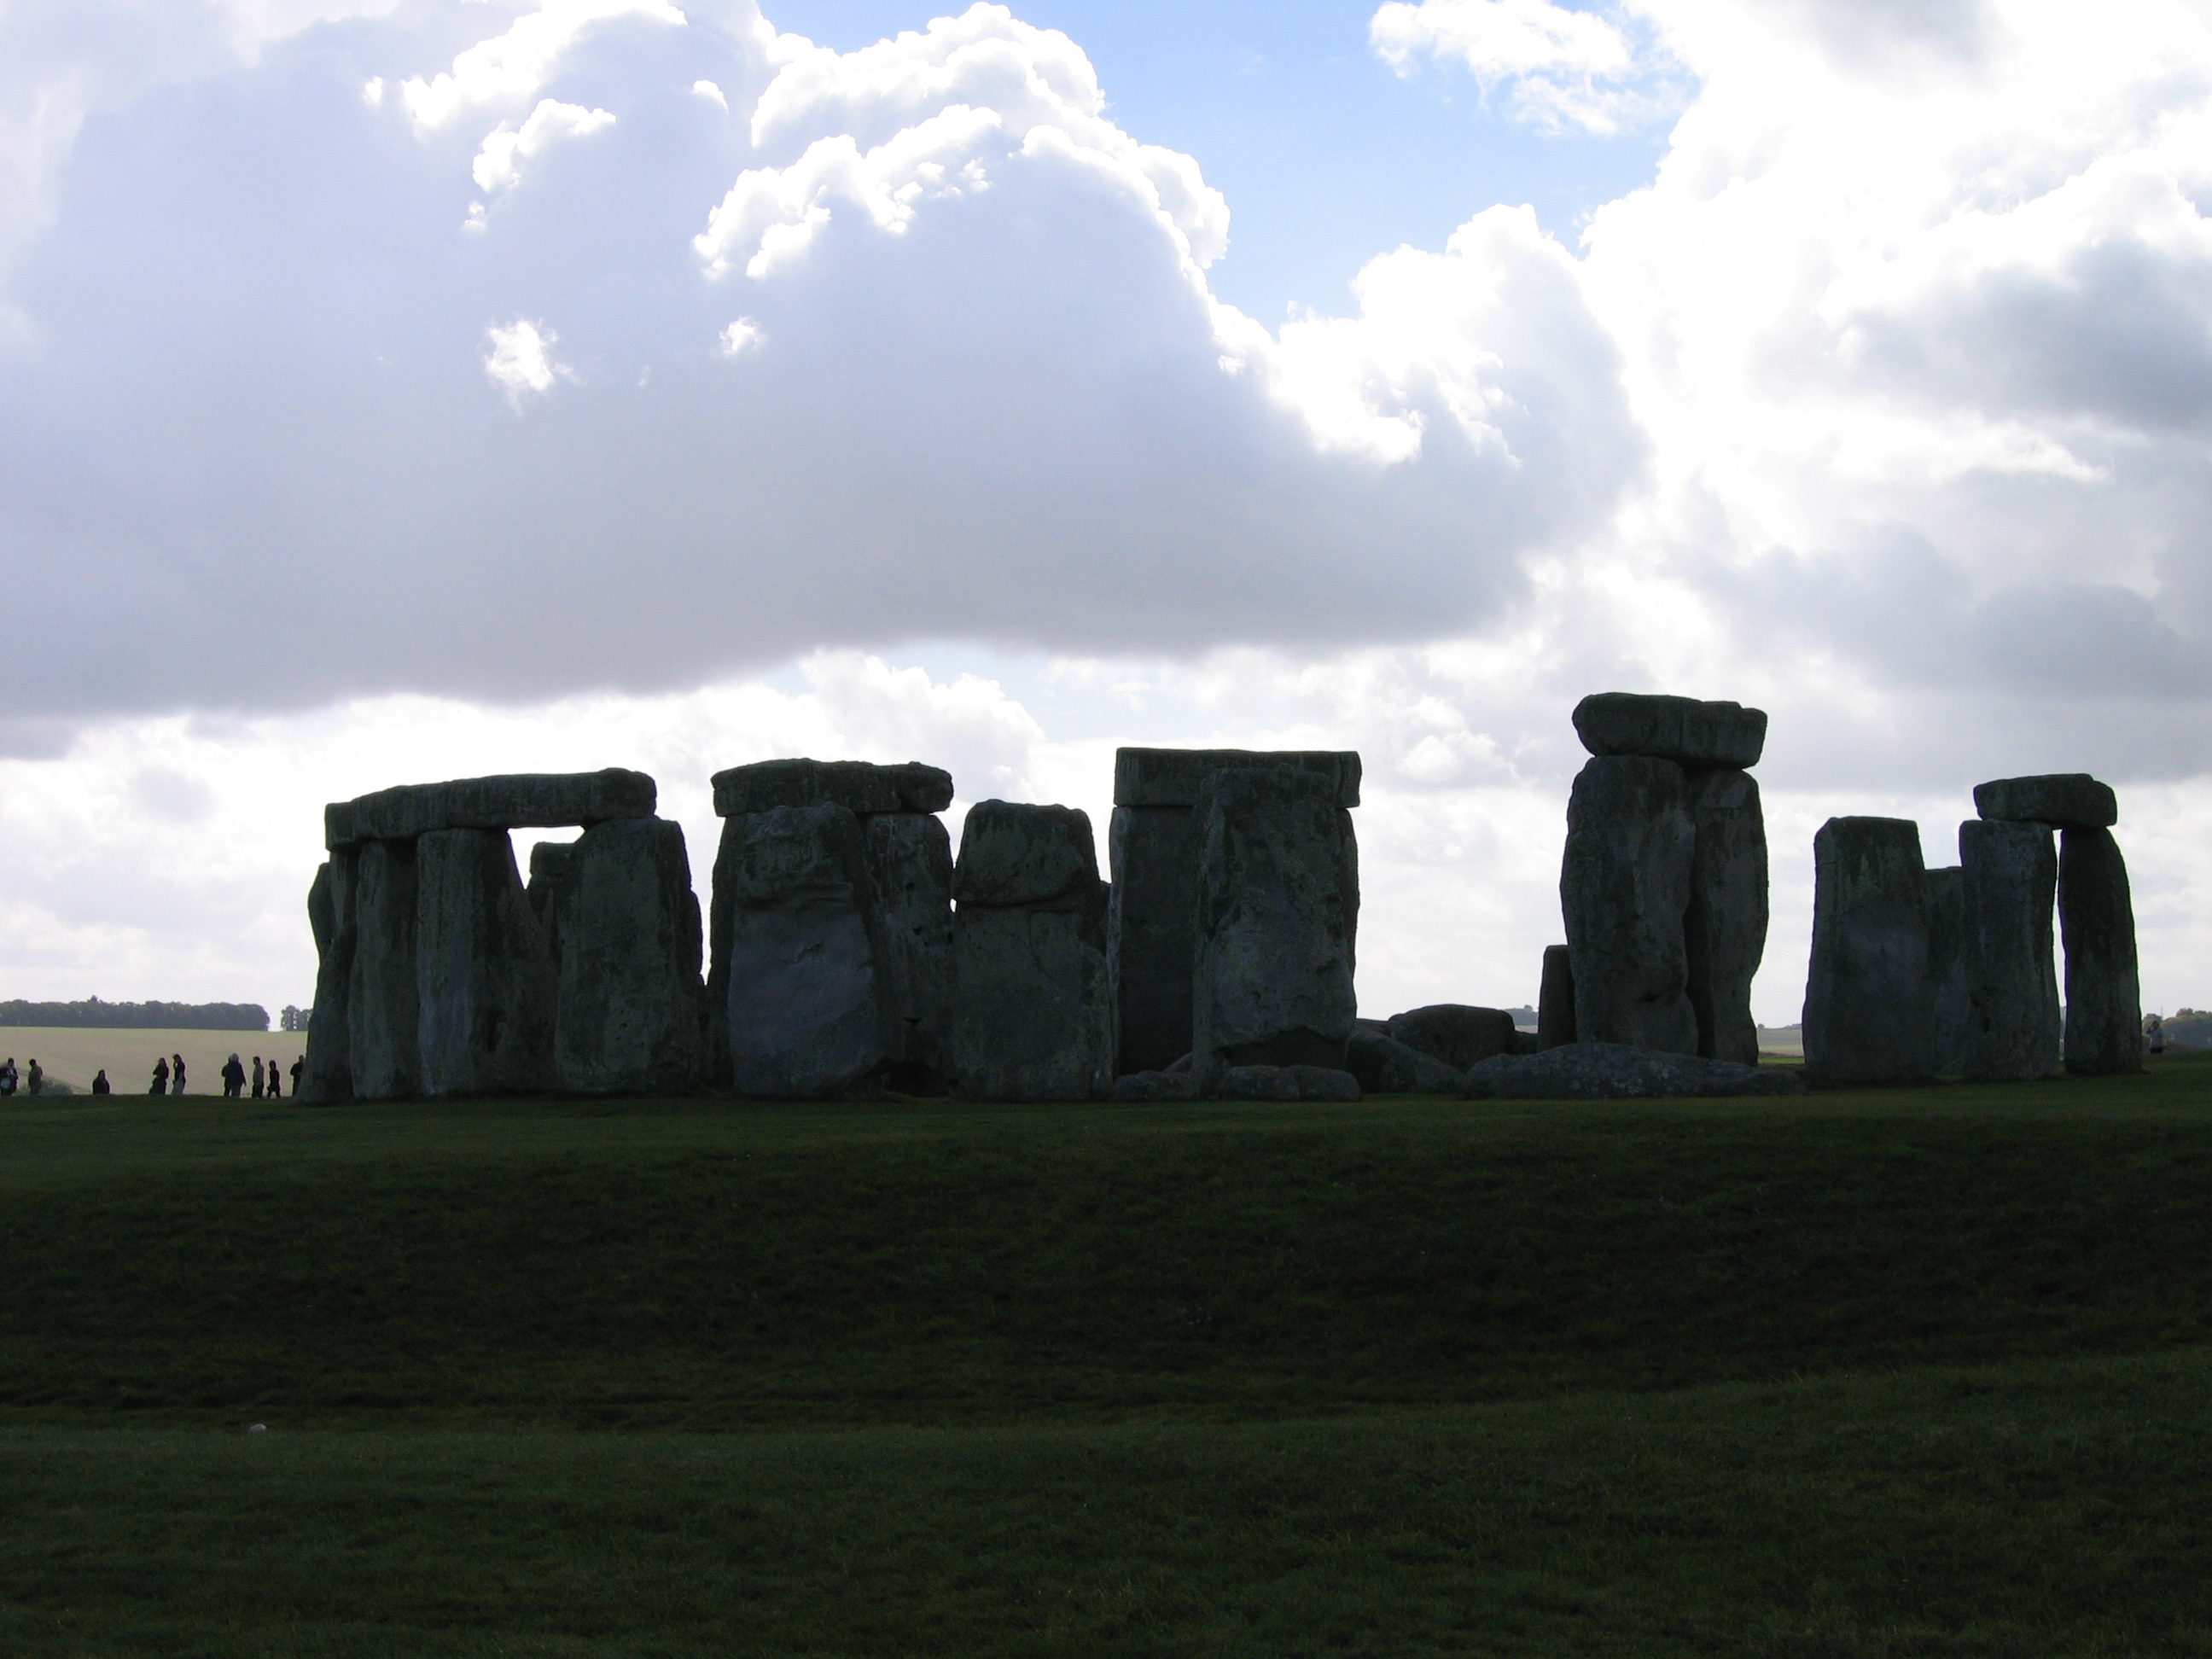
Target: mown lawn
1908,1373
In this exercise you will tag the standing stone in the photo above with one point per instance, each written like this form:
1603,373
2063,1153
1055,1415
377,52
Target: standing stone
1153,850
910,860
1624,891
1033,1010
327,1077
552,866
1870,1006
381,1001
2104,1009
484,982
1276,917
2012,991
1555,999
1724,931
1944,893
804,1002
626,1018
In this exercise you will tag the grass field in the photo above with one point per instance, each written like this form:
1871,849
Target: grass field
72,1053
1913,1372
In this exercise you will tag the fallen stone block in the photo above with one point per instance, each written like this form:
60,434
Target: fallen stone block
1680,729
1453,1033
2096,913
627,1020
1870,1000
1724,930
2011,876
520,800
1144,1087
1386,1067
1624,891
2065,800
1307,1082
861,787
1614,1071
483,979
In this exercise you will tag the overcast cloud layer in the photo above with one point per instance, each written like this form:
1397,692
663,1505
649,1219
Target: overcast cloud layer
610,352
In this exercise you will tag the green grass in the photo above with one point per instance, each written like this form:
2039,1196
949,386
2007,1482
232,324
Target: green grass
1908,1373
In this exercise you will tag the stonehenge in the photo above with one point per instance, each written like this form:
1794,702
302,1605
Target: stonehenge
2010,874
1663,882
1870,997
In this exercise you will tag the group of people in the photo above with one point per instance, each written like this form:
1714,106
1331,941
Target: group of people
11,1080
268,1078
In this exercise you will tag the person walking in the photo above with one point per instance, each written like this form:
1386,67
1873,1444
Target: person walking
100,1084
38,1079
161,1077
257,1076
234,1077
177,1075
276,1081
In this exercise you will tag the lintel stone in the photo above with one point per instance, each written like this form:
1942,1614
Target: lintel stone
1680,729
514,800
1173,777
861,787
2066,800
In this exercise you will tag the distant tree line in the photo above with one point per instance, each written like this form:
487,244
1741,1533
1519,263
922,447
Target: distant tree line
2189,1028
139,1016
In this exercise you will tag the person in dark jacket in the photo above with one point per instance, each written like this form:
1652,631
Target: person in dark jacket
177,1074
298,1065
161,1077
100,1084
38,1077
276,1081
234,1079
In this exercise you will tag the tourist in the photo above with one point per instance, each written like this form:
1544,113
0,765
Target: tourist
2155,1029
177,1075
38,1077
100,1084
234,1077
296,1065
276,1081
161,1076
257,1076
7,1077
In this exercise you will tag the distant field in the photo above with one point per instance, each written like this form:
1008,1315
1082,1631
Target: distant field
72,1053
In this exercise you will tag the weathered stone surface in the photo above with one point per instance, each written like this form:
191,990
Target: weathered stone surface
1033,1013
805,1008
512,801
1174,777
1386,1066
483,979
1320,1083
1555,999
626,1018
1016,854
1276,917
1870,1004
1680,729
327,1077
2104,1002
380,1006
1453,1033
1724,931
910,858
552,878
861,787
1613,1071
1624,891
2012,988
1147,1086
1944,895
1154,856
2066,800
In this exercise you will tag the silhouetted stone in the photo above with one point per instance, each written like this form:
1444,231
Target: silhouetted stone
327,1077
628,1015
2104,1007
1310,1083
804,1006
2012,989
1453,1033
483,979
1154,854
1555,999
1724,930
1176,777
1678,729
380,999
910,857
1869,1003
861,787
1386,1066
1276,916
1143,1087
1614,1071
512,801
1945,902
1624,891
2065,800
1033,1010
552,866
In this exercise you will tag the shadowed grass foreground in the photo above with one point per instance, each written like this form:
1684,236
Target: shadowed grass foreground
1917,1373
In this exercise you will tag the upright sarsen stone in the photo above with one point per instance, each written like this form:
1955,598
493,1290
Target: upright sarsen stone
628,1017
1555,999
910,858
1033,1012
1276,919
484,982
1869,1007
2104,1004
380,999
1724,930
327,1077
1944,895
1624,891
2011,874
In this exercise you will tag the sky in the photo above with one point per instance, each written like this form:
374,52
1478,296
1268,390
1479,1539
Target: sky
394,390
